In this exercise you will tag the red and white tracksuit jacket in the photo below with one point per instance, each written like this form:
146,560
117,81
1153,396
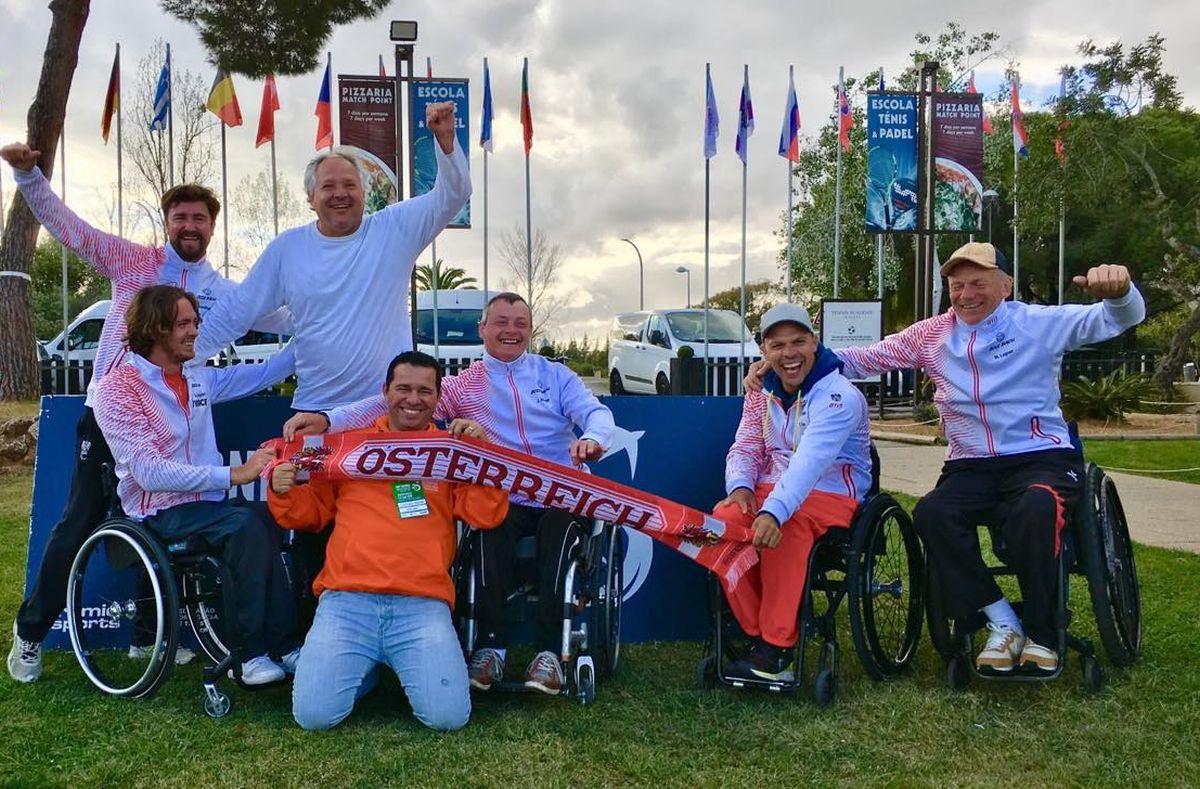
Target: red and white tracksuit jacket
997,381
165,447
821,442
130,267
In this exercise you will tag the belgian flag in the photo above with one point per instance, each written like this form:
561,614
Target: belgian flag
222,100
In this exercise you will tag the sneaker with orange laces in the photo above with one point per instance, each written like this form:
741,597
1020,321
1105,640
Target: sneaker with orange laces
1003,646
545,673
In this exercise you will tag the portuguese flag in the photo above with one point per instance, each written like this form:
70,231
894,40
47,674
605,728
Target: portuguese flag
112,99
222,100
526,113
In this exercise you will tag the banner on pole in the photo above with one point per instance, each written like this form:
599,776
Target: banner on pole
958,161
367,121
421,142
891,162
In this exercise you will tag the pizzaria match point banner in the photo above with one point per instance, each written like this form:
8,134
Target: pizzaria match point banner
958,160
367,121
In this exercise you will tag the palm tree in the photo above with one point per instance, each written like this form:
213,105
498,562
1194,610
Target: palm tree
448,278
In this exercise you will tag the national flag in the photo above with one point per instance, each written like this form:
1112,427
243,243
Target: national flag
222,100
382,70
712,121
745,117
845,118
162,97
882,87
485,126
266,116
112,99
789,136
1060,145
987,122
526,112
1020,138
324,114
428,68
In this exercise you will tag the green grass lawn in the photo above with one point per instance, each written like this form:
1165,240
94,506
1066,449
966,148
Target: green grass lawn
1165,454
648,725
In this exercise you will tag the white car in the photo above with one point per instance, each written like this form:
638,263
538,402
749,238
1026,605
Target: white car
458,315
642,344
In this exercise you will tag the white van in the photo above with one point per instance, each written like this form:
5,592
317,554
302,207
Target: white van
458,315
642,344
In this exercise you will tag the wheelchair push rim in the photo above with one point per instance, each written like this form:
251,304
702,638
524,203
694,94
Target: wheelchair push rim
886,586
1111,569
120,576
206,608
605,625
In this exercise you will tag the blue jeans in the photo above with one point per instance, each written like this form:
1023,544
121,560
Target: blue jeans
354,632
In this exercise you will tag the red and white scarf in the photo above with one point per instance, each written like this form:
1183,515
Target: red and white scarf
435,455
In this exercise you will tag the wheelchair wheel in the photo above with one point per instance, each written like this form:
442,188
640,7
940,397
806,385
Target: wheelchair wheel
121,579
1107,553
886,581
604,627
206,606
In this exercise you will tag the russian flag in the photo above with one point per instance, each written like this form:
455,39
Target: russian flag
1020,138
789,136
845,118
485,127
324,113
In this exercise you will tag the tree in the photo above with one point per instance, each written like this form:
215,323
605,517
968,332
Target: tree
761,295
451,278
282,37
547,299
85,286
251,203
18,363
196,155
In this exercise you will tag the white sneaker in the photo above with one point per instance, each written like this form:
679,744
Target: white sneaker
183,655
290,660
1042,658
1004,645
24,659
262,671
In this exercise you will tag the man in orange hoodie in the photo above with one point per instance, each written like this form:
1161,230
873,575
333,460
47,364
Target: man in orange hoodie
385,594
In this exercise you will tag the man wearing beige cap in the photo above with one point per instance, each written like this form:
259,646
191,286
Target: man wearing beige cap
1011,462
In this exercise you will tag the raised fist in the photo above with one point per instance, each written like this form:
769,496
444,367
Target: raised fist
1106,281
20,155
440,120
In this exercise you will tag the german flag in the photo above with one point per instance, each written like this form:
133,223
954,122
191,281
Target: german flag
222,100
112,99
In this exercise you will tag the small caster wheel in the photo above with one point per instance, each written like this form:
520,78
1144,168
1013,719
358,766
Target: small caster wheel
217,705
958,673
705,675
585,685
825,687
1094,676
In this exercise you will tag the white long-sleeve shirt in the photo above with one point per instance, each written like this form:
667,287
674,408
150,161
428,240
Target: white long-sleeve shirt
348,296
129,267
165,447
997,381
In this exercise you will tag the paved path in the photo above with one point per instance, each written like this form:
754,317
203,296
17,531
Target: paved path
1160,512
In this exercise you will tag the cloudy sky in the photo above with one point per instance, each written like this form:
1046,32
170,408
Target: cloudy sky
617,93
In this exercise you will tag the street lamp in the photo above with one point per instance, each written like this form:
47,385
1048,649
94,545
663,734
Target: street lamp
989,198
641,275
688,271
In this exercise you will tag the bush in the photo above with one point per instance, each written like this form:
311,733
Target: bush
1108,398
685,352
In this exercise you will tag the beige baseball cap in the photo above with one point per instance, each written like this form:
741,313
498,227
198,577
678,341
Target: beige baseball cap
979,253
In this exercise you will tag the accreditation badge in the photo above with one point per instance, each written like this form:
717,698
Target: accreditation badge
410,499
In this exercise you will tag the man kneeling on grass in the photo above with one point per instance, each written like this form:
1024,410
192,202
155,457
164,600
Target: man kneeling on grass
799,465
385,593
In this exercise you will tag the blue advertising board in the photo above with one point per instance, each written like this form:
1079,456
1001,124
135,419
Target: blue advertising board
673,447
422,156
891,161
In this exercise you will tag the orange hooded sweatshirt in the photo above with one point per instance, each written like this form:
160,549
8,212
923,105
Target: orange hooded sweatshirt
373,549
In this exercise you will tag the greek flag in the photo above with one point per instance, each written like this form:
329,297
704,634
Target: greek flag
162,98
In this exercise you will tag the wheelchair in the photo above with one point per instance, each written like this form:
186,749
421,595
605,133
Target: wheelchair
126,580
593,589
1095,545
878,565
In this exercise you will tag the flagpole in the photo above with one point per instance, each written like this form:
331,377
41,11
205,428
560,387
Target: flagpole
878,236
1016,232
171,119
707,182
225,198
120,184
485,206
274,186
435,280
66,318
745,158
837,191
332,98
528,214
1062,200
